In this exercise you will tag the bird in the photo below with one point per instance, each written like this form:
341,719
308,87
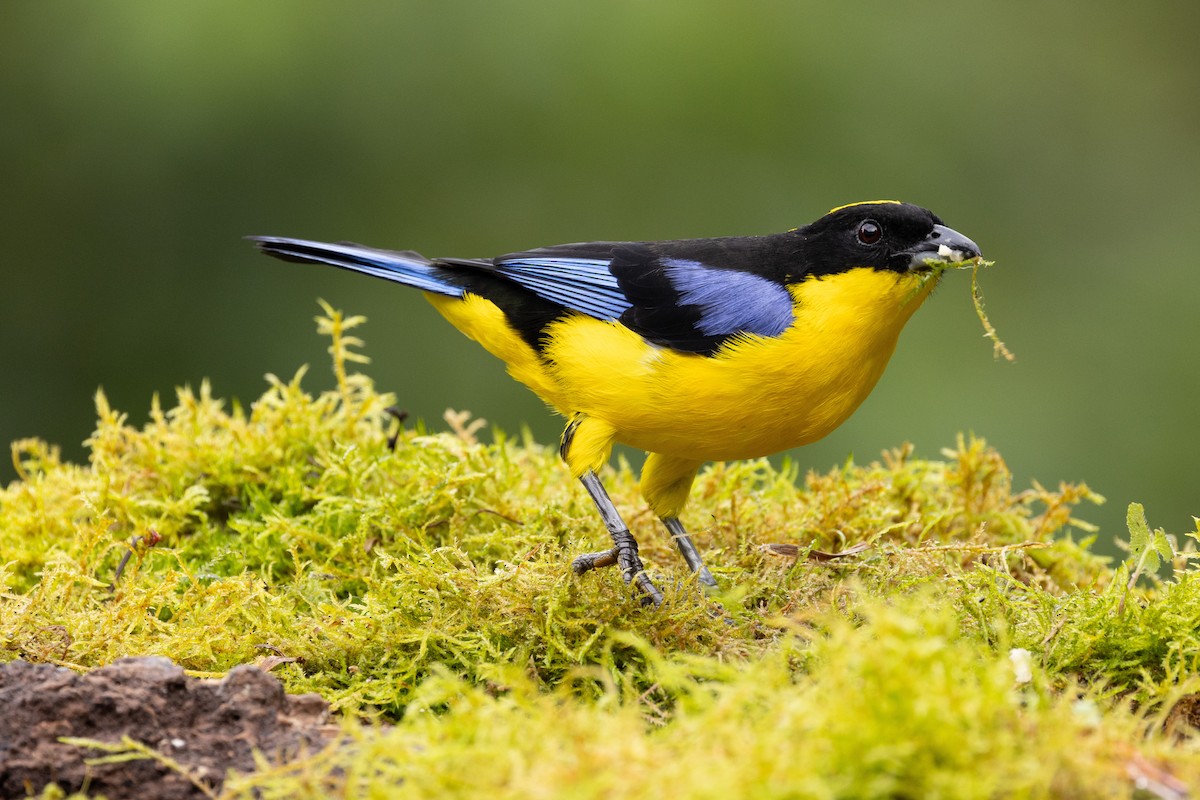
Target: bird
692,350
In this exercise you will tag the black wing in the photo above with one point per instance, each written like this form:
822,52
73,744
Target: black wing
688,295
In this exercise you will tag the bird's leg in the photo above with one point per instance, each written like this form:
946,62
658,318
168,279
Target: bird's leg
585,447
666,483
687,548
624,552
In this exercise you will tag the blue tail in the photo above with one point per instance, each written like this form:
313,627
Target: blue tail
401,266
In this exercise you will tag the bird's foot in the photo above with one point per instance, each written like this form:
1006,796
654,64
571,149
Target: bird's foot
625,548
608,558
624,555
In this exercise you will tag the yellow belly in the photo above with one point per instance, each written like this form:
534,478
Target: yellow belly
755,397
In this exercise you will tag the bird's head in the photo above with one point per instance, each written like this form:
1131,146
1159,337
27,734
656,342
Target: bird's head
883,235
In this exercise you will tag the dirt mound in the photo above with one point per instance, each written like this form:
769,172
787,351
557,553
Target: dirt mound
206,727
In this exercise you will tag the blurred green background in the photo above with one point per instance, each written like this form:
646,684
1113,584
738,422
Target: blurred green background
140,140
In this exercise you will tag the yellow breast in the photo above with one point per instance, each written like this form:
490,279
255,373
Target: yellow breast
755,397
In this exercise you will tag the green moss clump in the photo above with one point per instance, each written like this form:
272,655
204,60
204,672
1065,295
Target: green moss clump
898,704
429,587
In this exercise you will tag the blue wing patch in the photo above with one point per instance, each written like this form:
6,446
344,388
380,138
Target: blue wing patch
583,284
684,303
730,301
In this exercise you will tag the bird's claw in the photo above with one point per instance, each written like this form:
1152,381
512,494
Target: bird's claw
590,561
624,555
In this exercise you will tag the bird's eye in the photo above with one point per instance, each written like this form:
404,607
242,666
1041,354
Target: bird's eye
869,232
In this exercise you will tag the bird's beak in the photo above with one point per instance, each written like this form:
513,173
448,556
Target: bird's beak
942,244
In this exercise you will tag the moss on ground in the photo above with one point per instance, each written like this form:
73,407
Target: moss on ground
426,593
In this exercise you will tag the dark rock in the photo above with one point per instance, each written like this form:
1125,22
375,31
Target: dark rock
207,727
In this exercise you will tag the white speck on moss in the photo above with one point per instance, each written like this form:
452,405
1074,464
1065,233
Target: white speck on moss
1022,663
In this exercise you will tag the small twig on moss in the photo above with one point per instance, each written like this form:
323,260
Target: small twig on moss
1058,626
463,426
979,548
398,414
268,663
494,513
63,634
794,551
151,538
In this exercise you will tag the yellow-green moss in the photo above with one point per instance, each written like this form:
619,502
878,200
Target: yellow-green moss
899,704
429,587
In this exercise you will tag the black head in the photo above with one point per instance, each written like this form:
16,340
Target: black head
881,234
